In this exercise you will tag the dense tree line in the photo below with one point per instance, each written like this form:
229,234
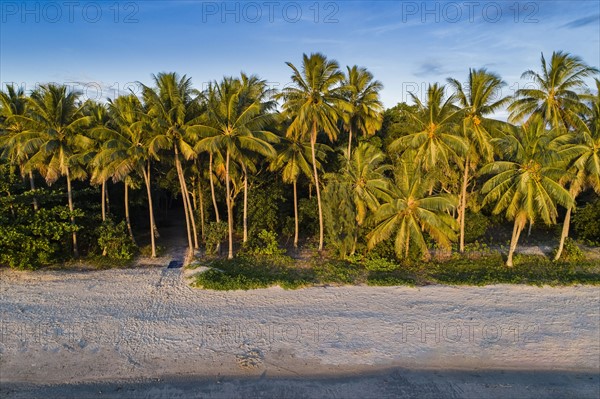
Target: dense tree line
360,177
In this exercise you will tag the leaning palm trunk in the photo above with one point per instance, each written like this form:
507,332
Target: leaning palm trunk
463,205
192,216
295,215
245,203
32,184
71,209
127,218
518,227
313,140
229,207
184,198
564,234
150,210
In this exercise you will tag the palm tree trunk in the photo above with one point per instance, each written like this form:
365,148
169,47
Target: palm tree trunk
295,215
150,211
245,203
564,234
32,184
349,143
127,218
103,195
463,205
192,216
518,227
201,204
313,140
212,188
212,192
185,204
70,198
107,199
229,207
194,199
529,230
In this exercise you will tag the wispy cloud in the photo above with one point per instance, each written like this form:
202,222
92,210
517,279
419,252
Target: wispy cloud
578,23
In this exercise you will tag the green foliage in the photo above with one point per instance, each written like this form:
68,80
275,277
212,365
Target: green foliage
146,250
250,272
335,271
114,240
215,234
586,223
339,215
308,216
265,243
33,239
571,251
264,204
476,225
378,264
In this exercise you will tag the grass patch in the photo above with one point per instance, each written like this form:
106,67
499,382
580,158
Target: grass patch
247,272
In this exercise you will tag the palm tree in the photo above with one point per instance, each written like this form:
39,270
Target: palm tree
436,125
128,147
56,117
368,184
294,158
556,96
173,110
365,113
315,102
18,142
234,123
410,212
525,181
584,171
98,118
477,100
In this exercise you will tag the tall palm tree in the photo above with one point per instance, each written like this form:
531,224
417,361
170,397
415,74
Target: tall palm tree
17,142
477,99
584,149
315,102
98,118
525,182
173,110
365,175
234,122
365,113
556,97
129,146
56,117
293,159
436,126
410,212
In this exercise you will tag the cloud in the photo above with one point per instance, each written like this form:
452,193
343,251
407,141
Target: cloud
430,69
578,23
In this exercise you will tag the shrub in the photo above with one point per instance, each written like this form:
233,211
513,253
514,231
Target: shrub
265,243
114,240
33,239
571,251
476,225
215,234
378,264
586,223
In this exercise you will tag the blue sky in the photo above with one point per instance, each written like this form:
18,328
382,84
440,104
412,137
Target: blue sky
99,47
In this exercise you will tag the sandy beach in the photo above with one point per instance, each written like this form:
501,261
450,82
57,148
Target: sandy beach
144,332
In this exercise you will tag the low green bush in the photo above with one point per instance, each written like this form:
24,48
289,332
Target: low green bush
114,240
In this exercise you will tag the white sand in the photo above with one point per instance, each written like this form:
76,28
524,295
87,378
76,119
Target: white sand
147,322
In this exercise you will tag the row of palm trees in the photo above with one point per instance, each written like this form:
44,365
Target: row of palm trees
225,133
